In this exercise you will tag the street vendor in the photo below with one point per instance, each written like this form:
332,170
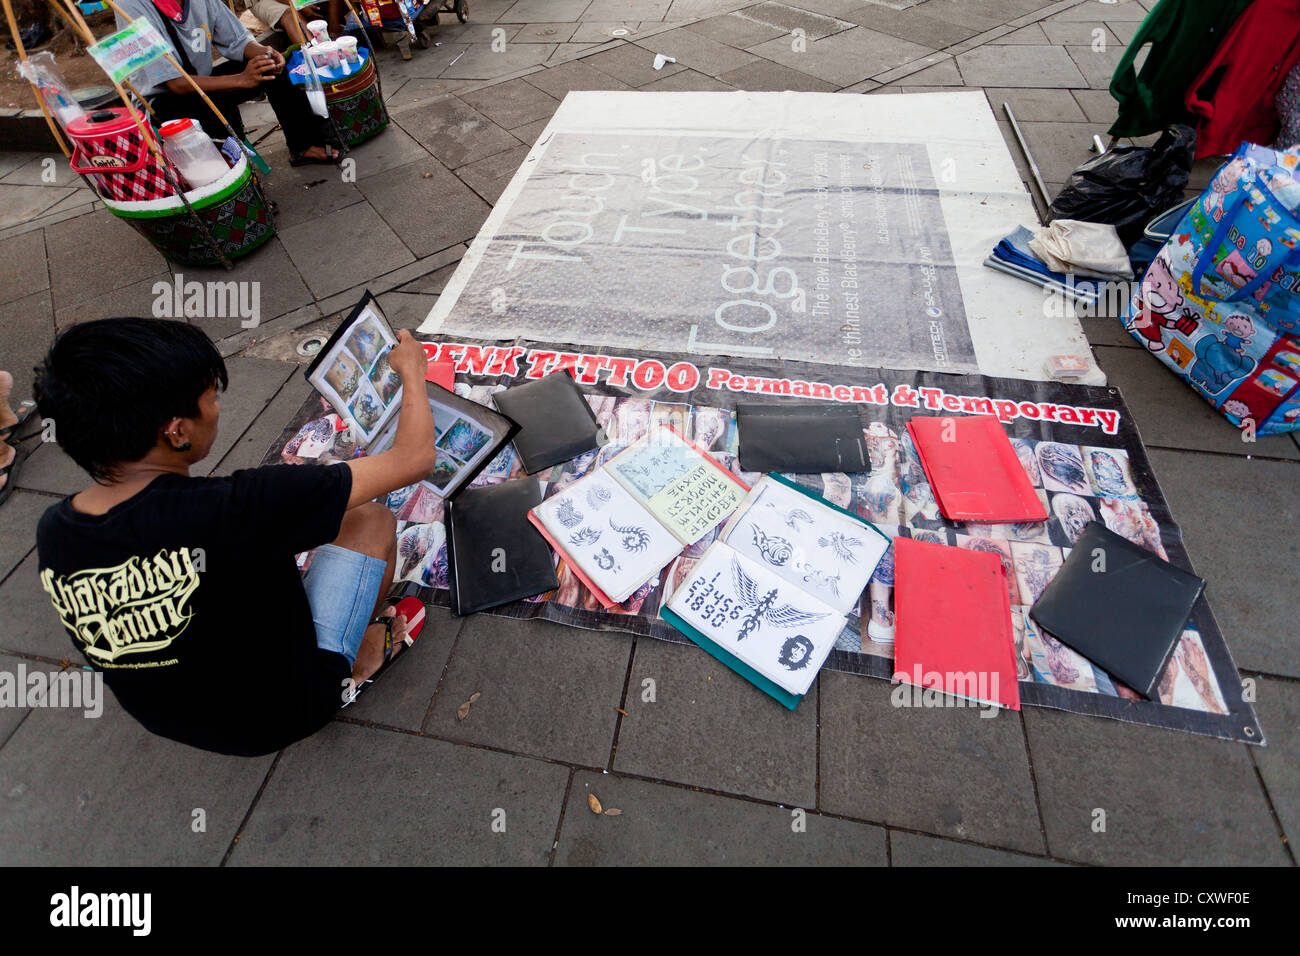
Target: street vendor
197,28
184,590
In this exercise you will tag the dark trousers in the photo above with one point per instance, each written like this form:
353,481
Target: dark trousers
302,128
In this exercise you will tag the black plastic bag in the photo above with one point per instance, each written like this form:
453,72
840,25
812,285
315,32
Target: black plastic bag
1128,186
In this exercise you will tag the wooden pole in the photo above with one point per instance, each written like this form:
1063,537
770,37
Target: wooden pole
22,58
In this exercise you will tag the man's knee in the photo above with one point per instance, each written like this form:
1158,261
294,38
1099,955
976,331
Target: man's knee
369,529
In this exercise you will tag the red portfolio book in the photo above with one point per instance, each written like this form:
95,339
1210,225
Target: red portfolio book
952,618
973,470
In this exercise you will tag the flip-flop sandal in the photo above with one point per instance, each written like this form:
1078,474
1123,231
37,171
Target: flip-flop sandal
25,411
412,608
10,472
331,158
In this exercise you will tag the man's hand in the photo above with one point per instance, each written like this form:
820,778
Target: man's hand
277,59
258,69
408,359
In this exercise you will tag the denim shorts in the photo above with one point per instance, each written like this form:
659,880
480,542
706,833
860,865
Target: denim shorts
342,588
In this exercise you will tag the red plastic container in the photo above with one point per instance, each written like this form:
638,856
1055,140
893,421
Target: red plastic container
109,147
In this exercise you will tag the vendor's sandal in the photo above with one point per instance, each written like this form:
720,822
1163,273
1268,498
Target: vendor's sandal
9,472
25,411
411,608
331,157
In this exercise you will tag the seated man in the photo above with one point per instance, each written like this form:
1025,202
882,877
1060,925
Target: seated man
183,590
195,28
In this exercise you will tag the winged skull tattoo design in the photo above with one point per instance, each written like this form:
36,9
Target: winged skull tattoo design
763,606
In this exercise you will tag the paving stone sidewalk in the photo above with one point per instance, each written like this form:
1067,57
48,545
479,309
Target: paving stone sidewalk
710,771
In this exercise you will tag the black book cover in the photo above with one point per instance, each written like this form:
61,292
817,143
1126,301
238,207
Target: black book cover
1120,606
494,554
555,422
801,439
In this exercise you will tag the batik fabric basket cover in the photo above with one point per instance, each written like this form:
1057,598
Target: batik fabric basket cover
233,208
356,105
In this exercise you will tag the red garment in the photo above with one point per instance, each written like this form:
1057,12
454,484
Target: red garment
170,8
1233,96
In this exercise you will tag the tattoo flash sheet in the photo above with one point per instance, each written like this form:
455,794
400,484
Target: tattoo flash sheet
813,547
614,540
781,631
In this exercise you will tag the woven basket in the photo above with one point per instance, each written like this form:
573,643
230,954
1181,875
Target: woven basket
356,106
233,208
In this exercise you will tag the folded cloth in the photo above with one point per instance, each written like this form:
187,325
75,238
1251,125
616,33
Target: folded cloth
1084,248
1013,257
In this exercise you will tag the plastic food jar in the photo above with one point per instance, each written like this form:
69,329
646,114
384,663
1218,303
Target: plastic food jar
318,30
197,158
348,50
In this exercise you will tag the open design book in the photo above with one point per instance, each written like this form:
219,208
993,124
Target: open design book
619,526
769,597
353,374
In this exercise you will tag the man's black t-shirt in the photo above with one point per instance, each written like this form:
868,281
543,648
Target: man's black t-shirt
188,598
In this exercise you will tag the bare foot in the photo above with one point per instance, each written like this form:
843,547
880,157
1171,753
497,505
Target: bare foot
319,152
7,415
370,656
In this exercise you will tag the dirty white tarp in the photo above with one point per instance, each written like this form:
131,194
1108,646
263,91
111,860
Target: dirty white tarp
834,228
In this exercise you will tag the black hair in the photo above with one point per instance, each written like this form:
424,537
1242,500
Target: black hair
111,384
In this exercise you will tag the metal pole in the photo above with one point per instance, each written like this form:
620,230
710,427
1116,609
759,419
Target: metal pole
1033,166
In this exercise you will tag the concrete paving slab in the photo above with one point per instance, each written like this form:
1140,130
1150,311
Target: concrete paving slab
847,57
529,134
427,206
1098,106
134,299
486,11
18,204
456,133
1107,330
1032,35
489,177
943,73
50,470
396,799
21,512
1278,705
11,160
430,63
513,103
736,30
279,289
304,193
983,793
482,62
1170,799
1058,148
699,9
564,52
1086,33
545,33
916,849
688,81
914,25
31,625
26,334
538,11
601,31
449,31
547,690
440,268
403,696
814,26
10,716
765,75
133,804
631,64
1097,66
697,51
1170,415
740,740
673,826
406,310
1217,500
109,253
973,15
576,75
1034,106
419,90
1124,10
43,169
23,267
626,10
1026,65
328,266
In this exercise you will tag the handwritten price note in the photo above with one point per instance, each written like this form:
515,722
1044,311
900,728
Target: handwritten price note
122,53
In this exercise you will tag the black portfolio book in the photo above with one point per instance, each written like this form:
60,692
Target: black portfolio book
494,555
1118,605
801,439
555,422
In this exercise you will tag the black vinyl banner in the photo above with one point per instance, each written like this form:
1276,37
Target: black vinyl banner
1077,444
